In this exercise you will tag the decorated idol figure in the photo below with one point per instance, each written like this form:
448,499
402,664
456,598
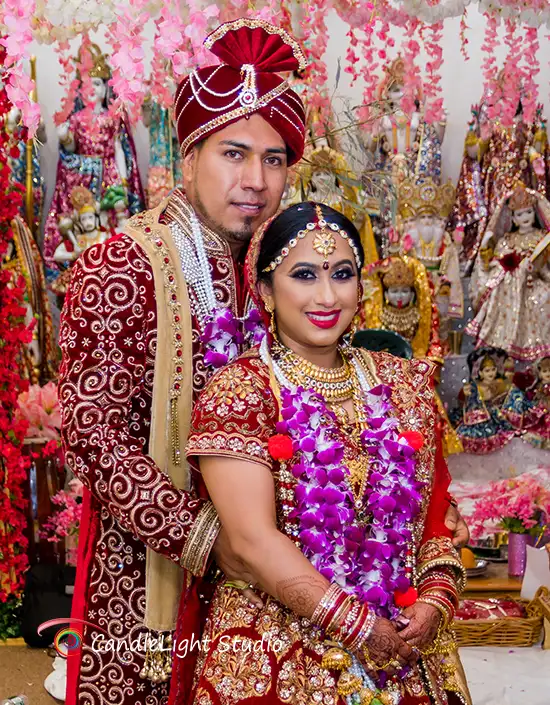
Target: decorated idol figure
97,151
510,285
150,316
424,210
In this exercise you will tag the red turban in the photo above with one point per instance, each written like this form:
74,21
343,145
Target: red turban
215,96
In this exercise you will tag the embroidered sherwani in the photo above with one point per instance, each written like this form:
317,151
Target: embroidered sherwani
269,655
110,375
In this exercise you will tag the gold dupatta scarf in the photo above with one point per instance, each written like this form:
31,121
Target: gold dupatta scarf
172,397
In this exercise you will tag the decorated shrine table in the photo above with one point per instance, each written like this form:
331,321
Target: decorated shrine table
495,583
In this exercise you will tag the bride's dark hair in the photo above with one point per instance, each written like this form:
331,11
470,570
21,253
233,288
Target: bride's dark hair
288,223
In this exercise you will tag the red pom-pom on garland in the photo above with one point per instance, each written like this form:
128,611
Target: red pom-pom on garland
280,447
405,599
414,438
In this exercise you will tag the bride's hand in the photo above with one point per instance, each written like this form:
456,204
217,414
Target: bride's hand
385,645
233,568
421,630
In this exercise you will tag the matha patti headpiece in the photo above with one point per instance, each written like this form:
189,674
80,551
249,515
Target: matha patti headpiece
397,273
324,242
521,198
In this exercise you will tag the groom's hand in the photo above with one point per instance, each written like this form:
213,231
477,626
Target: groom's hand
233,567
455,522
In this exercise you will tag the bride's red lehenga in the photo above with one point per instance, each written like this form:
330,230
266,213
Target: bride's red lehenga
269,655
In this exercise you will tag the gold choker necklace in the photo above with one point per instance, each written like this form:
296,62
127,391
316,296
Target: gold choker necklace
333,384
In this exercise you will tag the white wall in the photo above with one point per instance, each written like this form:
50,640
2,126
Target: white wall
461,81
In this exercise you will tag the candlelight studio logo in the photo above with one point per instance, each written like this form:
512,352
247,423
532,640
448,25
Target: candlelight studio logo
69,640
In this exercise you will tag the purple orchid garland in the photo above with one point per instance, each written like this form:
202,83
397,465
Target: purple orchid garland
223,335
367,561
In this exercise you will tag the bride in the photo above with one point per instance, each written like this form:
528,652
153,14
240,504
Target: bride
324,465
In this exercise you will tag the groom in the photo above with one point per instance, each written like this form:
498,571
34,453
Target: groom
148,317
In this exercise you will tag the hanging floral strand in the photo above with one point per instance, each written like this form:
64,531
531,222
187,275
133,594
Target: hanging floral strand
491,87
370,66
531,69
432,86
463,38
412,78
13,334
127,59
315,40
16,17
512,75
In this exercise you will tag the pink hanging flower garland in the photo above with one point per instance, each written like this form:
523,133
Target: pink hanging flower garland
412,79
16,16
432,86
127,60
67,81
463,38
531,69
489,67
370,66
512,76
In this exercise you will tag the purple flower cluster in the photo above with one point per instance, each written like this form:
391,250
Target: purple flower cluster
254,327
367,558
223,335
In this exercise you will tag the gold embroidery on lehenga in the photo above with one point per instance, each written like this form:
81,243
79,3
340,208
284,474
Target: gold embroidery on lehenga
302,681
237,670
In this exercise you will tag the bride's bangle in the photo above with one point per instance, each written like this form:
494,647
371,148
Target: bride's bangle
344,618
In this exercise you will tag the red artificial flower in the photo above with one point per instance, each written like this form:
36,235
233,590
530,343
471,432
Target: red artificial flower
510,261
414,438
405,599
280,447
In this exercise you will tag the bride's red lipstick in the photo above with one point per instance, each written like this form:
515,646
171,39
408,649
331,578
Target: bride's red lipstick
324,319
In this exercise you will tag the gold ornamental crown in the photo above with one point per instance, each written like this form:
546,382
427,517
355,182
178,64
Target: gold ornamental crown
426,198
395,73
82,200
397,273
100,68
521,198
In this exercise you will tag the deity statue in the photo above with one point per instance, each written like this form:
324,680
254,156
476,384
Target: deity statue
96,151
510,284
479,421
79,230
423,211
39,358
398,297
25,160
115,201
539,393
496,158
405,143
164,153
405,147
470,207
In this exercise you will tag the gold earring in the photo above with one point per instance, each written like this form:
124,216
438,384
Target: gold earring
353,328
272,325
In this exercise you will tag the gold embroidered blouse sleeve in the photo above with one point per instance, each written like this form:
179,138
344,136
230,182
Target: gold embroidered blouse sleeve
236,414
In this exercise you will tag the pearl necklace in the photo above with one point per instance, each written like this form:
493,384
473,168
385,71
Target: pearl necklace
196,267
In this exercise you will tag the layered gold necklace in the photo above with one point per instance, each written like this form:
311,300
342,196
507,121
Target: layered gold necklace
334,384
401,320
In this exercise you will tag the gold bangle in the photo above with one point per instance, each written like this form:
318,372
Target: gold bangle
237,584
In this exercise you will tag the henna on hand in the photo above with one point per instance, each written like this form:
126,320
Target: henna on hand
302,593
385,644
422,628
